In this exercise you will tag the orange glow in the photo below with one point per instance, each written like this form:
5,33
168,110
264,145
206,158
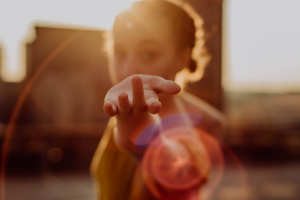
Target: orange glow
22,15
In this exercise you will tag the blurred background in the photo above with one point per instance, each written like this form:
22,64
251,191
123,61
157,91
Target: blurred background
54,77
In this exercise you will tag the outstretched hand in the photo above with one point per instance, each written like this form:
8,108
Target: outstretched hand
137,94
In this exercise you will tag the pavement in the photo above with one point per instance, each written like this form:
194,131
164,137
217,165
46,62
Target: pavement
279,181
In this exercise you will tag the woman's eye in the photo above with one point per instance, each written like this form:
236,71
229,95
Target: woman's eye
148,56
120,55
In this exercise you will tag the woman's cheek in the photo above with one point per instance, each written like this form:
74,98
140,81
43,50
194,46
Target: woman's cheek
120,74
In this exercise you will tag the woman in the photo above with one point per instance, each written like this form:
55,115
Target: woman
151,45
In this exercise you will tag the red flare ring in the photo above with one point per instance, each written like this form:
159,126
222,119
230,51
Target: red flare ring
176,164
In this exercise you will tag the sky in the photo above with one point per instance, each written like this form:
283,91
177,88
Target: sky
261,44
17,18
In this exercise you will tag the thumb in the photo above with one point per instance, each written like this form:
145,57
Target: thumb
166,86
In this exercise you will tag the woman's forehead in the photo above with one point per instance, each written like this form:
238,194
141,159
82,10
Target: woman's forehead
139,31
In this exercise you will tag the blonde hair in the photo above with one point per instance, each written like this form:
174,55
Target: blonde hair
199,52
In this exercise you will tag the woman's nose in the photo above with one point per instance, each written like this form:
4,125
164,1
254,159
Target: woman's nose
130,66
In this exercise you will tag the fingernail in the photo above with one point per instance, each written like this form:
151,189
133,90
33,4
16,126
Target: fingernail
106,103
157,107
136,81
114,108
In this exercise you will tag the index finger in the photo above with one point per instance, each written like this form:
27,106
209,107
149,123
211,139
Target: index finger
138,97
166,86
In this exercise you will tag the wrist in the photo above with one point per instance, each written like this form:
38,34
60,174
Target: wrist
125,144
127,128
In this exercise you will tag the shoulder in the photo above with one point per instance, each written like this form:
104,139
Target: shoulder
213,121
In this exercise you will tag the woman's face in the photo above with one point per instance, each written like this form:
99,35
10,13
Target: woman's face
145,46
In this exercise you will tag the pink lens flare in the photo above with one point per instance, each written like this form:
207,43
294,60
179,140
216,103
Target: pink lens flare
179,160
177,165
142,137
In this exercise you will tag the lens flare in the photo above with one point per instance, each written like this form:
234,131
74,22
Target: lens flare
142,138
17,108
178,164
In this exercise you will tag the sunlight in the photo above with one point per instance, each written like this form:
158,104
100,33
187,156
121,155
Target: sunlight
261,46
18,17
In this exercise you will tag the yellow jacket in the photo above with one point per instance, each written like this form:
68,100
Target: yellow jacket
116,173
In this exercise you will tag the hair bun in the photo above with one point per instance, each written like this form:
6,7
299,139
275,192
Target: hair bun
193,65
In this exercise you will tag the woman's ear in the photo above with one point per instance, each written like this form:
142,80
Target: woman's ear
184,58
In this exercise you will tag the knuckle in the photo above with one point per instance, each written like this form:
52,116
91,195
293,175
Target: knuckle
125,109
138,92
125,112
165,85
123,104
137,111
148,86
